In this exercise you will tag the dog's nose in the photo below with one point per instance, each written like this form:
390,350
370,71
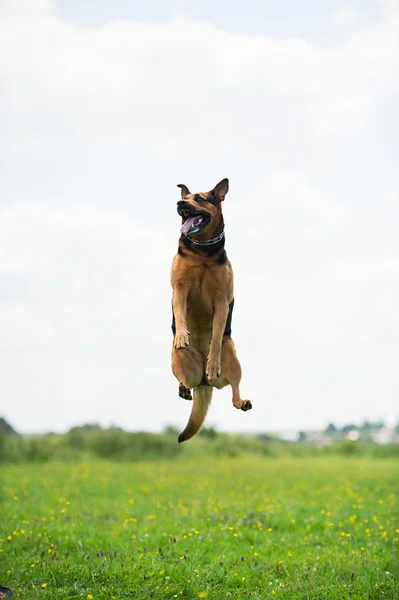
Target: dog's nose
181,202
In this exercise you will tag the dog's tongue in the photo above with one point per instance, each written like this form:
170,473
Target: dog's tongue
189,223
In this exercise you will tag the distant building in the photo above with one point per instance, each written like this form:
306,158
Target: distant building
387,435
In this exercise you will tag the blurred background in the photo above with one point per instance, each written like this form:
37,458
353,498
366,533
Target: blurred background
104,108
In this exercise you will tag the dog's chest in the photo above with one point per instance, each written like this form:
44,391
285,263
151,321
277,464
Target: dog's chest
205,286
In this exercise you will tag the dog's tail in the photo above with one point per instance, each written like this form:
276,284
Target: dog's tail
201,401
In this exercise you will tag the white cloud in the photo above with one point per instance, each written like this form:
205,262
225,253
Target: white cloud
345,17
67,270
291,197
135,79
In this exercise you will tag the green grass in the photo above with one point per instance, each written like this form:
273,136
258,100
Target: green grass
250,527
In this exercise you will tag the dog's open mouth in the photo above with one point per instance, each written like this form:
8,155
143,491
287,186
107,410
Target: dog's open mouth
193,222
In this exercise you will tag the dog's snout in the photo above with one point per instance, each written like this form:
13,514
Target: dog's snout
181,202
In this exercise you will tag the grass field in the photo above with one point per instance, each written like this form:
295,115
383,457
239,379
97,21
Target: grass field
292,528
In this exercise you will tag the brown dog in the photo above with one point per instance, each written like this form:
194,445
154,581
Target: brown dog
203,353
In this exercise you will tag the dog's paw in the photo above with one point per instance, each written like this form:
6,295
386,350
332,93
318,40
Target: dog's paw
185,392
213,369
182,339
242,404
246,405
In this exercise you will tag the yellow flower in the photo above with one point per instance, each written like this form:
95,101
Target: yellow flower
151,517
44,585
202,594
89,597
9,538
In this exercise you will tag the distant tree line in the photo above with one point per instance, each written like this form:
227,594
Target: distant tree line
6,428
113,443
365,426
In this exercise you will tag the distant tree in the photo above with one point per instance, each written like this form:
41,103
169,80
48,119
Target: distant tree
330,428
171,430
266,437
397,428
370,426
378,425
302,436
349,427
208,432
86,428
6,428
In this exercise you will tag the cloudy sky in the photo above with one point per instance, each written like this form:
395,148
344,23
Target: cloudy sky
104,108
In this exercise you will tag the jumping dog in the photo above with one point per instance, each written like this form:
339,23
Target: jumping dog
203,352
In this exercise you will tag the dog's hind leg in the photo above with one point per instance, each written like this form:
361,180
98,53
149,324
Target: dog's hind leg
231,372
188,368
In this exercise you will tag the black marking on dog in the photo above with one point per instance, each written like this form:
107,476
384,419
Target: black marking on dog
181,251
185,392
209,251
173,321
227,329
188,243
222,258
213,200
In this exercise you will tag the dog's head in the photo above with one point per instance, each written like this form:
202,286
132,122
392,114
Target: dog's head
202,213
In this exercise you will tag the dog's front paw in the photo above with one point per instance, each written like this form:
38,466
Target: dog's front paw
242,404
182,339
213,369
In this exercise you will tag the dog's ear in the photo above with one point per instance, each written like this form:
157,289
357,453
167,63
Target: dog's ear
184,190
221,189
